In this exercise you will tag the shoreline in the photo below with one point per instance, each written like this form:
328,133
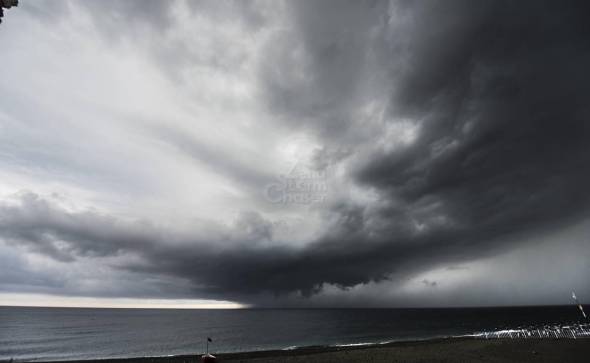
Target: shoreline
449,349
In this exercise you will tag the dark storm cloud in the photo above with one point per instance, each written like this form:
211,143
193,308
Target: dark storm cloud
498,91
45,228
42,226
230,262
504,138
317,69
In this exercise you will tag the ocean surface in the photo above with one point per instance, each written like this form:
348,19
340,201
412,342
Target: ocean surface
66,333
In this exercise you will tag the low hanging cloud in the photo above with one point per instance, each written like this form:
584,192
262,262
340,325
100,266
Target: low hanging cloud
448,132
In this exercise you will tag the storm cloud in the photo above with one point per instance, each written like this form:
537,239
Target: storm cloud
442,134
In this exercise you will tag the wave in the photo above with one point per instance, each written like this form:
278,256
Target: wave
366,344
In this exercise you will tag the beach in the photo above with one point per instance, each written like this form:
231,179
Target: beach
438,350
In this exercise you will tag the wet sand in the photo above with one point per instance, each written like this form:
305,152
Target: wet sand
441,350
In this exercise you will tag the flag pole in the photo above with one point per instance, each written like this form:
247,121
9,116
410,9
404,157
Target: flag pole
208,358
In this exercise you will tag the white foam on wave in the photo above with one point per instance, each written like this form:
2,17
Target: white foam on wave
354,344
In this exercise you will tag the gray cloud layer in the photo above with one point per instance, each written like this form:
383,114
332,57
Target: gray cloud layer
495,93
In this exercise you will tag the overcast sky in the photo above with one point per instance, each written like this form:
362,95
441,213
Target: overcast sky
299,153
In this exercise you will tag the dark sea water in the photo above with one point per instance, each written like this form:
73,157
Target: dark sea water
66,333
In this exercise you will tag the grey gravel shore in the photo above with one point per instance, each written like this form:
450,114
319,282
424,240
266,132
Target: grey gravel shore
440,350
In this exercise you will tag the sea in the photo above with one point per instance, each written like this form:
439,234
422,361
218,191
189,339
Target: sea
41,334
